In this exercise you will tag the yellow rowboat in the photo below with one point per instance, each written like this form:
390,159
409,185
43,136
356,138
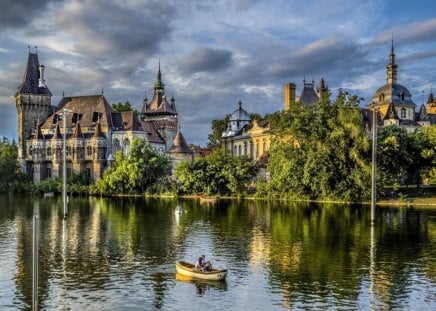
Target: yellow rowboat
188,269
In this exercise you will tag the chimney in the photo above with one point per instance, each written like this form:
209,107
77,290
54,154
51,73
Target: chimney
289,92
41,81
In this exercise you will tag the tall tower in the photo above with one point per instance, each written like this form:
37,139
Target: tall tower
289,96
392,67
33,101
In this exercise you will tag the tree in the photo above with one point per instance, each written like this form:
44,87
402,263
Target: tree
320,151
120,107
8,163
135,173
218,127
217,173
394,157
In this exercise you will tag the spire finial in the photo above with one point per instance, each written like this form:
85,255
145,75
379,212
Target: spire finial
102,92
28,48
36,49
63,94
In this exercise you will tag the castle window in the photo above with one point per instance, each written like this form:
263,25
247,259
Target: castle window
264,146
245,148
55,118
48,172
117,145
402,96
88,173
89,151
96,116
239,150
381,97
403,113
251,150
49,152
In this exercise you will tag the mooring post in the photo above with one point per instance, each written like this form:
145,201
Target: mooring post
35,263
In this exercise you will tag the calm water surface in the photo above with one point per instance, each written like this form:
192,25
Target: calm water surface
120,254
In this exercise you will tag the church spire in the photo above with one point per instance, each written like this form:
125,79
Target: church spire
392,67
158,84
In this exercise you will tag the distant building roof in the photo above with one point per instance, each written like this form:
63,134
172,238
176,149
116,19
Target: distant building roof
180,145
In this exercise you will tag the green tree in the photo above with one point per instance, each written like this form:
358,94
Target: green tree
320,151
218,127
393,155
8,163
217,173
135,173
120,107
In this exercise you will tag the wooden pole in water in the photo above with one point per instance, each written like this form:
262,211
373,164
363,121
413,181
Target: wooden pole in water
374,159
35,263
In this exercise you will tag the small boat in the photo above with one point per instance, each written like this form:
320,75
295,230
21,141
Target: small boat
208,199
188,269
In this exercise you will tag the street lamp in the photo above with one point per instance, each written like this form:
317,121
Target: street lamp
65,113
374,159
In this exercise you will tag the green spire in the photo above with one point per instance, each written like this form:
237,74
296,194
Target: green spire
158,84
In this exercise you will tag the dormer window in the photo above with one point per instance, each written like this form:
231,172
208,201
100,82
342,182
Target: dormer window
55,118
381,97
403,113
402,96
76,117
96,116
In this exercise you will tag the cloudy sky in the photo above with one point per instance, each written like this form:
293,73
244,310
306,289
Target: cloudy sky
214,53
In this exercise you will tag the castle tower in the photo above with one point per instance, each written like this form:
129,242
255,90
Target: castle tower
289,96
33,102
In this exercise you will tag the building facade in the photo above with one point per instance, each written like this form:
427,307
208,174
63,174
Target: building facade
394,105
93,132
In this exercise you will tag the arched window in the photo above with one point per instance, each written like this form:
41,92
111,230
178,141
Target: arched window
402,96
245,148
117,145
89,151
240,151
381,97
126,146
264,146
403,113
49,152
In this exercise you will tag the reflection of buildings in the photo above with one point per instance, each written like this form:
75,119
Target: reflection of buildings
94,132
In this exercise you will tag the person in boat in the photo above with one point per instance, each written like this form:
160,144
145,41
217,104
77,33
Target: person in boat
200,263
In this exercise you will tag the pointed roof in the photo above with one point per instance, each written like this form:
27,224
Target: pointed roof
392,67
31,78
308,95
39,134
430,98
158,84
98,134
77,133
57,133
422,114
180,145
391,113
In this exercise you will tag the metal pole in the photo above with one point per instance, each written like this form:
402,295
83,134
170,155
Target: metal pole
35,263
374,159
64,160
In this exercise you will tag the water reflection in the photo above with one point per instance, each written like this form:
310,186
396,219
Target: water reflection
120,254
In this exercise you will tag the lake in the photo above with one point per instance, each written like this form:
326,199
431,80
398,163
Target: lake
119,254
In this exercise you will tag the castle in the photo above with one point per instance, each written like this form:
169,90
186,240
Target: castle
93,132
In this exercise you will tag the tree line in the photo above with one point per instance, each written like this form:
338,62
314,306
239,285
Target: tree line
317,152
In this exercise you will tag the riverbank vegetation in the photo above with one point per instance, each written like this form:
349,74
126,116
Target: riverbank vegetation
319,152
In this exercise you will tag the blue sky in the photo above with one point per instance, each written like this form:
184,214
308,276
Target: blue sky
214,53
